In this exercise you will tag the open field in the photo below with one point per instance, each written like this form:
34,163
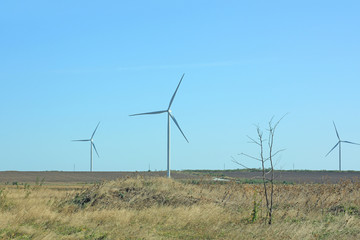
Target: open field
143,207
59,177
297,176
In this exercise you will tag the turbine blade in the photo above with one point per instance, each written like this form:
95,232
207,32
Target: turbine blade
172,99
157,112
332,149
173,118
95,130
351,142
93,144
85,140
336,131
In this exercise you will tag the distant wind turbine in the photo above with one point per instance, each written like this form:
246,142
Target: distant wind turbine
92,144
339,143
170,115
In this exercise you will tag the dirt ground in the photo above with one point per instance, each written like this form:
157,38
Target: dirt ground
53,177
301,176
11,177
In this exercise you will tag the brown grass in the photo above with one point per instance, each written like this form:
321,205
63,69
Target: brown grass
159,208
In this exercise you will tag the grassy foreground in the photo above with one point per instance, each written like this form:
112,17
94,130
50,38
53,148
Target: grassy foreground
159,208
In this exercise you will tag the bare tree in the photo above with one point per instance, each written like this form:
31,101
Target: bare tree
267,163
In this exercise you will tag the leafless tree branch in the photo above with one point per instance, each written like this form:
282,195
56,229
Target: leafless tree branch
253,141
257,159
237,162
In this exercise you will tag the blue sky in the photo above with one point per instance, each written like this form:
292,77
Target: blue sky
66,65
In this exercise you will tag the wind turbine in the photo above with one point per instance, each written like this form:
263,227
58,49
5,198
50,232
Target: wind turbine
339,143
170,115
92,144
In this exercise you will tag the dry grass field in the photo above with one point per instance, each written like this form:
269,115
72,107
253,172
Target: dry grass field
159,208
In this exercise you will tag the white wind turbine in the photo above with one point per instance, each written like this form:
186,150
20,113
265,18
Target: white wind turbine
170,115
92,144
339,143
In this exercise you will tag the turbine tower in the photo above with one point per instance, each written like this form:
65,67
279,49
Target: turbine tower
339,143
92,145
170,115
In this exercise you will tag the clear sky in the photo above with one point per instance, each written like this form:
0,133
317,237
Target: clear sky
65,65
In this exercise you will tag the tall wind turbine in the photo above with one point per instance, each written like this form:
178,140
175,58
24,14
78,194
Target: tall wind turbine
170,115
92,145
339,143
